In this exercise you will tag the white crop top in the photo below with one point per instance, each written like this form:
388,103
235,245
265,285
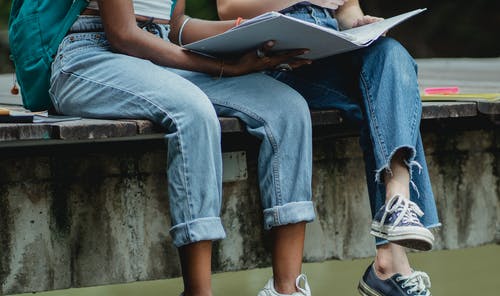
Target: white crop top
161,9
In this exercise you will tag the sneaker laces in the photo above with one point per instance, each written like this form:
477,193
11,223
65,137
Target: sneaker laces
419,282
306,290
301,285
409,212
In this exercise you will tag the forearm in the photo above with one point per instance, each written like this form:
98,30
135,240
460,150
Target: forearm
164,53
231,9
348,13
196,29
125,37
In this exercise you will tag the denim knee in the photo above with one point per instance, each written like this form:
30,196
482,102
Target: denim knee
293,110
390,54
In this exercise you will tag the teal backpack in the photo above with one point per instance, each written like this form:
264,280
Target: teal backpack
36,27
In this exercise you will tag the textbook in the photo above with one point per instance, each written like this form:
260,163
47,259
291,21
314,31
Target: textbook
16,116
292,33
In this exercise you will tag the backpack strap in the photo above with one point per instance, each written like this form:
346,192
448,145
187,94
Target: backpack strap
74,11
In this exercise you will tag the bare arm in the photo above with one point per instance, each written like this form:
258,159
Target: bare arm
125,37
195,29
230,9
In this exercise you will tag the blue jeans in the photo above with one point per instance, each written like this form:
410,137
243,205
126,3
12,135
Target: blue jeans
375,87
90,80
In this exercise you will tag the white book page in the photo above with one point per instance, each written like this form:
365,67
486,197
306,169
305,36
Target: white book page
368,33
274,14
343,34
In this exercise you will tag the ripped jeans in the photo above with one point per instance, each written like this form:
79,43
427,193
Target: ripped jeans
376,88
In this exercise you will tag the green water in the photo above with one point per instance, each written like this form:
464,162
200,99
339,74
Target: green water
474,271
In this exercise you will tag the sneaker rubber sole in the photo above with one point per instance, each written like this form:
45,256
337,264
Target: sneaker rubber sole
413,237
365,290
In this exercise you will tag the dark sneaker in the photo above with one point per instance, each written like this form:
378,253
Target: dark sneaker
398,222
416,284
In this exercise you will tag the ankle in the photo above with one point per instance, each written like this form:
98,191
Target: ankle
383,269
391,259
399,189
284,286
200,293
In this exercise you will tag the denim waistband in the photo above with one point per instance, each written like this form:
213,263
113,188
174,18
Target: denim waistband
307,7
91,23
302,6
87,23
296,6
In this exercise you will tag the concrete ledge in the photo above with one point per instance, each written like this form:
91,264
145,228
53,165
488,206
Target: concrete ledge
92,214
95,129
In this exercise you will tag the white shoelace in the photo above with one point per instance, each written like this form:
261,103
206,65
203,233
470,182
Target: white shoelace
419,282
300,283
409,211
306,290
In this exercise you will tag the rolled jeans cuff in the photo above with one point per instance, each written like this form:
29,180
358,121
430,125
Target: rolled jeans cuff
201,229
289,213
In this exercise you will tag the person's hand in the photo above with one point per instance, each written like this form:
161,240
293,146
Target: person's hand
365,20
262,59
331,4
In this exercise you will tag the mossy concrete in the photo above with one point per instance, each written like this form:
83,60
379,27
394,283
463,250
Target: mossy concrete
73,216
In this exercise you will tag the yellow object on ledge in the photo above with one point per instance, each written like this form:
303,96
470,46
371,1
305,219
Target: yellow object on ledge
489,97
4,111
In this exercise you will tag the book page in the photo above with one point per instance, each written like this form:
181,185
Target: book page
368,33
292,33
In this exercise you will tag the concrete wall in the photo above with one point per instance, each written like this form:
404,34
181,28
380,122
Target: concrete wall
74,216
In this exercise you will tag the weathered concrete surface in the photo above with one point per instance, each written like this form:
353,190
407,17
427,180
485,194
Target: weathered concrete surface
98,214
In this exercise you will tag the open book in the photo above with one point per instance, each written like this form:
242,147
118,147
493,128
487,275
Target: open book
21,116
292,33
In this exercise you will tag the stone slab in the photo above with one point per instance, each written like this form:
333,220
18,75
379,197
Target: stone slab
442,110
89,216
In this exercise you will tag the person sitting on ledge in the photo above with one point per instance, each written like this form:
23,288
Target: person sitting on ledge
376,88
120,60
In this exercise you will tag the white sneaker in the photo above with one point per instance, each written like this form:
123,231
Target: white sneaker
301,284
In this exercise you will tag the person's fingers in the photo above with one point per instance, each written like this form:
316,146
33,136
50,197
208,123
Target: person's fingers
297,63
287,54
266,47
289,60
262,58
365,20
260,53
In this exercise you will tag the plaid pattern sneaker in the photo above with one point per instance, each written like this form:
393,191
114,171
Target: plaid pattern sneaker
398,222
415,284
301,284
